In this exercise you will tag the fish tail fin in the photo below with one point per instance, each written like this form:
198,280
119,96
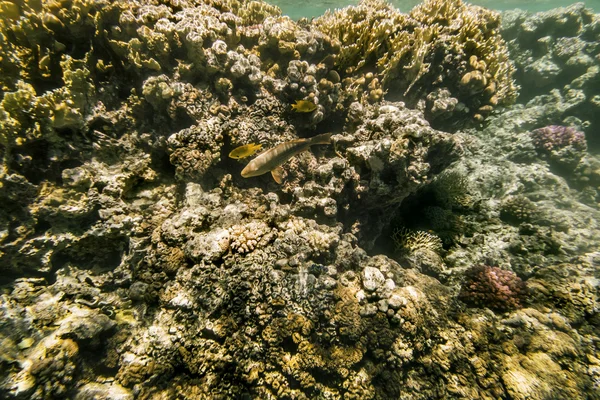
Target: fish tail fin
323,138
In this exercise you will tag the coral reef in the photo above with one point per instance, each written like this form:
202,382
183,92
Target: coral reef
137,263
557,58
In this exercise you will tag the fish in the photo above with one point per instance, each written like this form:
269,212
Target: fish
304,106
272,159
244,151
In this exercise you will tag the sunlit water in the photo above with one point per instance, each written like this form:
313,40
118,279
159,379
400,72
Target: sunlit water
308,8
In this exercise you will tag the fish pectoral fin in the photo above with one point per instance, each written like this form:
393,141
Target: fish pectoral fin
278,175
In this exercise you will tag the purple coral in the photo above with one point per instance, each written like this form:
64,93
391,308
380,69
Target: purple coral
493,287
565,145
556,137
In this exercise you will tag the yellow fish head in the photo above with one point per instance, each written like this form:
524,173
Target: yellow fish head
244,151
304,106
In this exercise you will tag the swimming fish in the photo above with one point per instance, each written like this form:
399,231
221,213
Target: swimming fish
304,106
272,159
245,151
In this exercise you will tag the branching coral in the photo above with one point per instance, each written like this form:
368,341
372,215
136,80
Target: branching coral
439,44
35,36
365,33
250,12
410,241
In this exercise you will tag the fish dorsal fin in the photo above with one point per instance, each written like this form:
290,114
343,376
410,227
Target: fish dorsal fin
278,174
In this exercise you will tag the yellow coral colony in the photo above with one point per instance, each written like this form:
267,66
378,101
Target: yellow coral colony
401,48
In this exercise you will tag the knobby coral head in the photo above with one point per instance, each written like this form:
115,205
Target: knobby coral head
493,287
555,137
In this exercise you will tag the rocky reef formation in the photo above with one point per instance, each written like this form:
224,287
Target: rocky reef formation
558,62
137,262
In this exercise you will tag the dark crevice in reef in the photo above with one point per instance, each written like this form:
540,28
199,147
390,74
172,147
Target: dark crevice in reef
19,270
421,211
162,164
101,369
96,254
34,166
325,378
386,384
285,198
42,226
181,120
45,161
77,225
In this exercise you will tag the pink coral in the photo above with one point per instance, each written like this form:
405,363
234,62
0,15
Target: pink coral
565,146
493,287
556,137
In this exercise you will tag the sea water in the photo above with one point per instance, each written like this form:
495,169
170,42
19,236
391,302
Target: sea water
310,9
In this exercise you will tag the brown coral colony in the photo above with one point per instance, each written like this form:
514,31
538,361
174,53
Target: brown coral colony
493,287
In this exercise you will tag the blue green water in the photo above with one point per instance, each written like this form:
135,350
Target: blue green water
307,8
